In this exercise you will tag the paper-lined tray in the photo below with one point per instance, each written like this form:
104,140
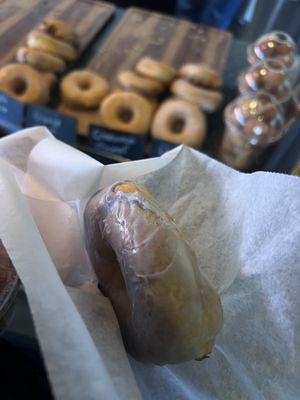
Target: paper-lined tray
87,16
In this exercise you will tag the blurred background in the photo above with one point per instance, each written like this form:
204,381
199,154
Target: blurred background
247,19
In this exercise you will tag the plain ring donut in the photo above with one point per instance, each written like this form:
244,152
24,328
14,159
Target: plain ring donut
153,69
44,62
201,74
59,29
206,99
41,41
179,122
126,111
146,86
167,311
83,89
24,83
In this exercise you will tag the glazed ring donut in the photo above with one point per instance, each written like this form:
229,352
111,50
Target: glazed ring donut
152,101
24,83
180,122
206,99
41,41
44,62
167,311
126,111
153,69
83,89
201,74
59,29
146,86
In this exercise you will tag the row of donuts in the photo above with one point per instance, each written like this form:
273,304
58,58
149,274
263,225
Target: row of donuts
134,106
180,119
49,50
258,116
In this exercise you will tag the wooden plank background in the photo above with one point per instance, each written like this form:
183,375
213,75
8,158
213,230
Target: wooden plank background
19,17
173,41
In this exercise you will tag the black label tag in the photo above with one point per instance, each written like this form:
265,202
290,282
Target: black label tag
125,144
61,126
101,158
160,147
11,113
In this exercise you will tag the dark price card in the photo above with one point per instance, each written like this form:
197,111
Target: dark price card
11,113
160,147
61,126
124,144
103,158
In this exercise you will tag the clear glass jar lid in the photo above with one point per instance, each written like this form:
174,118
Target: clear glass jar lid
256,119
274,45
269,76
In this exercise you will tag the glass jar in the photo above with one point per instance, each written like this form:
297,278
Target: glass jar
274,45
252,122
269,76
239,156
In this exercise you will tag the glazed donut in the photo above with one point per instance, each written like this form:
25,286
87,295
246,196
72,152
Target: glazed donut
145,86
206,99
167,311
152,101
83,89
126,111
180,122
153,69
42,61
24,83
59,29
41,41
201,74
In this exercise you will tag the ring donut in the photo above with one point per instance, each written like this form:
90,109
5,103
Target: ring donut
201,74
126,111
206,99
145,86
24,83
41,41
167,311
44,62
152,101
153,69
180,122
83,89
59,29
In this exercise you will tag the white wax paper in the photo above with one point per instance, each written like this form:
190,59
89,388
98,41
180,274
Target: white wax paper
245,229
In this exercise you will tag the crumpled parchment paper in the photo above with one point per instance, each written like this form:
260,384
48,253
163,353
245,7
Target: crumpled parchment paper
245,229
